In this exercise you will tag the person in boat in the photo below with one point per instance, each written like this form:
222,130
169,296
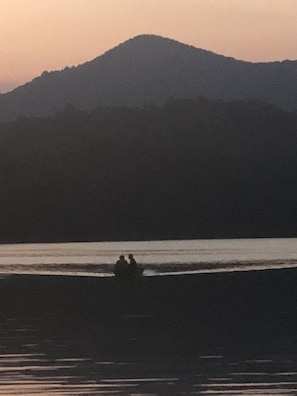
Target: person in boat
134,268
121,267
132,263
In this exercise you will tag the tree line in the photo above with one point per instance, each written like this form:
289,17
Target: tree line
187,169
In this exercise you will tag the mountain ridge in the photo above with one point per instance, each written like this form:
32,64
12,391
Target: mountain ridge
149,68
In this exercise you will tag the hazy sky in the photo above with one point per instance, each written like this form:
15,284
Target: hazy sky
38,35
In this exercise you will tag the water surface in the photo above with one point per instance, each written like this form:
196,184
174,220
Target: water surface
157,257
135,351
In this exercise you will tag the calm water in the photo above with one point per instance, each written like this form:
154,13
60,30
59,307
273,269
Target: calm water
45,354
157,258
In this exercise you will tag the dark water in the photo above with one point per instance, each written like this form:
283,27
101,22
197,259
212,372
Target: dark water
214,336
41,357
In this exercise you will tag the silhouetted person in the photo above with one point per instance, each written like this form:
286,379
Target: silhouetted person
134,268
132,264
121,267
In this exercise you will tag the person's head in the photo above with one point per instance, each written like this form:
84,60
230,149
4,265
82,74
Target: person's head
122,257
130,256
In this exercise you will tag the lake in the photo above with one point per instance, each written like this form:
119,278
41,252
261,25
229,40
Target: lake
157,257
222,323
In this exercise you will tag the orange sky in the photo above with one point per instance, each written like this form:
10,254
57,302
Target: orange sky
38,35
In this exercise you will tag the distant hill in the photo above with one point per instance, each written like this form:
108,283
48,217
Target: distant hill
148,69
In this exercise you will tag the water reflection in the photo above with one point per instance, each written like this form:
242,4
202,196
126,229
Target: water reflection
157,257
217,335
47,355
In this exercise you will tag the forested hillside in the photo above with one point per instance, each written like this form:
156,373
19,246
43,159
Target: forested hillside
188,169
151,69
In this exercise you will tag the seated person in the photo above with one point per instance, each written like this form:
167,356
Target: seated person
121,267
134,268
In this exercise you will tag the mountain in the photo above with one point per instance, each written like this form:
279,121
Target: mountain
150,68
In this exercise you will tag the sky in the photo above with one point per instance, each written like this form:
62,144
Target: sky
39,35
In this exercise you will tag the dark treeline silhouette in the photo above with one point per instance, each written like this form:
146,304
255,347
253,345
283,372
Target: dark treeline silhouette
187,169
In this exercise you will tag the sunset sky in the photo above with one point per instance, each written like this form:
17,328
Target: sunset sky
38,35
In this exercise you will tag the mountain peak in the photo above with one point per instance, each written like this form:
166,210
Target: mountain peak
152,38
149,69
145,41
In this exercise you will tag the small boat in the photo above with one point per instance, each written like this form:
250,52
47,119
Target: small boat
129,274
